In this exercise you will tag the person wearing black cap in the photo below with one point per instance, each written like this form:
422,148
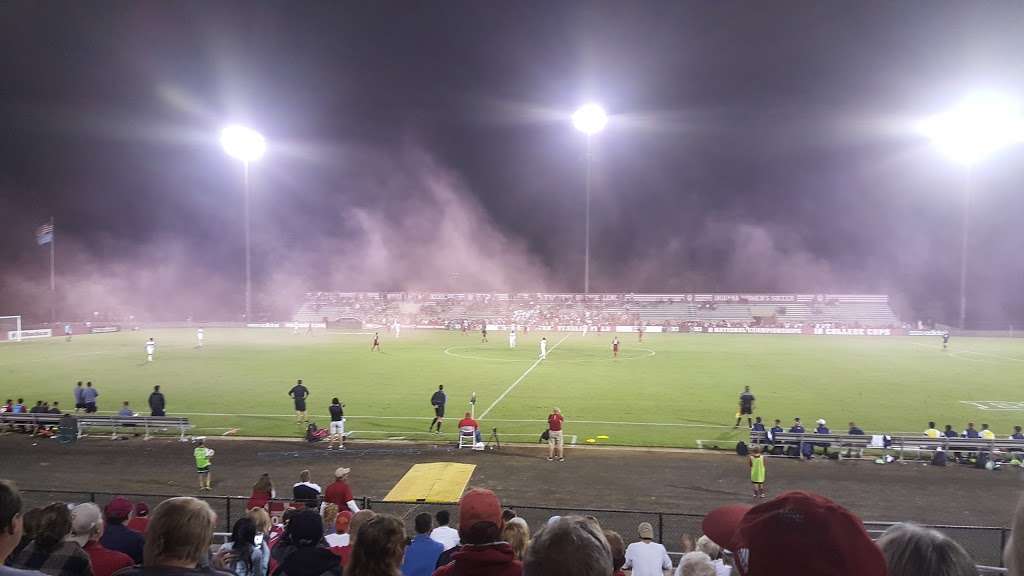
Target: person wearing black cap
304,552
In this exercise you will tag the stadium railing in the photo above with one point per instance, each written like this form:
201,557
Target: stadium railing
149,425
985,544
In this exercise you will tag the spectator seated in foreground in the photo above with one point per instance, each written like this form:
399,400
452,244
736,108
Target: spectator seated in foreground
569,546
86,530
482,553
117,536
911,550
11,528
422,554
444,533
50,552
180,533
381,545
695,564
306,553
305,492
797,533
647,557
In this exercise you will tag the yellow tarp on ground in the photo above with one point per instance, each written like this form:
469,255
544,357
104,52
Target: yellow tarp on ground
437,482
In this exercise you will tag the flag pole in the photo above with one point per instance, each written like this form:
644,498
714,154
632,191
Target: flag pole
53,286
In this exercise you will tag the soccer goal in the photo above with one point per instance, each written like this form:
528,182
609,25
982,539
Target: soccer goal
10,328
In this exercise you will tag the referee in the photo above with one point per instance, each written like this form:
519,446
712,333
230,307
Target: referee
438,400
299,393
746,407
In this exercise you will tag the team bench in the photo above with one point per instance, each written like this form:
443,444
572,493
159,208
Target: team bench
850,442
917,444
149,425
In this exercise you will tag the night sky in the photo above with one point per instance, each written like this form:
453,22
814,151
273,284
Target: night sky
752,146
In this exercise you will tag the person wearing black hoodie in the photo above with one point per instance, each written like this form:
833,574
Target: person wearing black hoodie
302,550
157,403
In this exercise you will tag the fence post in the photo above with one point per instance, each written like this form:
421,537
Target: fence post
228,507
366,502
661,528
1002,547
92,497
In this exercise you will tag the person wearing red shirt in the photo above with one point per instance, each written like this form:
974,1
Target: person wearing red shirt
555,435
262,492
86,530
468,422
339,494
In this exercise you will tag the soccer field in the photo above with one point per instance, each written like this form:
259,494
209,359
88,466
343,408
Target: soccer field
670,390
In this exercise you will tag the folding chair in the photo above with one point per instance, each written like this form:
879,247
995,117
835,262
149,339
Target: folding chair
467,437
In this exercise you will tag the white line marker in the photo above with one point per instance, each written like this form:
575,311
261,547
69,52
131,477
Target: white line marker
520,379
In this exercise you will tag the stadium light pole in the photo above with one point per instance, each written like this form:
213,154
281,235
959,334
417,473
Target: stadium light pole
246,145
589,119
975,128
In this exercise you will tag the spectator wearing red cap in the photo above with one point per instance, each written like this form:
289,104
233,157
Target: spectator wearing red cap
482,553
86,530
647,557
911,550
795,534
140,521
117,536
339,492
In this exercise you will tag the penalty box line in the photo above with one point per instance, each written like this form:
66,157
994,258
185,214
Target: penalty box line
520,379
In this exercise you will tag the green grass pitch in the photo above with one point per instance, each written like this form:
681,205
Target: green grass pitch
670,390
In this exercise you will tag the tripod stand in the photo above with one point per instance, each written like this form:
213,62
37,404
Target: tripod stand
494,438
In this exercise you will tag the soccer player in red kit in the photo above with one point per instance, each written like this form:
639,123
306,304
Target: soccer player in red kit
376,343
615,347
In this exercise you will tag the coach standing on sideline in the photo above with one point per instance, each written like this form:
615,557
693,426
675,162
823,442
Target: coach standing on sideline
299,393
438,400
157,402
555,420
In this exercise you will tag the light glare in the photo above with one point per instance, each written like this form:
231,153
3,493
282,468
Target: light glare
243,143
590,119
977,127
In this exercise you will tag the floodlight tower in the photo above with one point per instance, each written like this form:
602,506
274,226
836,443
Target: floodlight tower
246,145
977,127
589,119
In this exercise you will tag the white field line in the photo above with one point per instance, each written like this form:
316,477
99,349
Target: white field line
512,420
959,353
520,379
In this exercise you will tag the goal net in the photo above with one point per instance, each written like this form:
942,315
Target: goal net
10,328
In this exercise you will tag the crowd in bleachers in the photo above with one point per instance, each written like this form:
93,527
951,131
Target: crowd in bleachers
454,311
323,532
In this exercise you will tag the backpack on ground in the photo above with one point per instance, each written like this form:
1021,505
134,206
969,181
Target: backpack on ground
741,448
315,434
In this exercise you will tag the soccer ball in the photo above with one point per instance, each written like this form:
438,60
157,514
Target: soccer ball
210,452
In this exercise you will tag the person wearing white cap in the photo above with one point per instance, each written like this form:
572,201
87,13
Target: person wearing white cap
339,493
822,429
86,530
647,557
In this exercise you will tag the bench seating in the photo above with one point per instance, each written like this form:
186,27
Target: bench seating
149,424
899,443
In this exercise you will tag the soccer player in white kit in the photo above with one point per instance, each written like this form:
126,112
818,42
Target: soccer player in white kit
512,337
398,329
199,338
543,348
150,348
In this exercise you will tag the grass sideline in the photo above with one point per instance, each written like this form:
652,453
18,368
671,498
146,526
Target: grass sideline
670,390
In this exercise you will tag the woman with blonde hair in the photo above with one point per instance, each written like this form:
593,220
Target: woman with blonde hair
379,548
329,516
261,518
517,533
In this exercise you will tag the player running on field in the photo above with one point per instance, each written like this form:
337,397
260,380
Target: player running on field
746,407
150,348
199,338
615,347
512,337
483,332
945,340
376,343
543,348
438,400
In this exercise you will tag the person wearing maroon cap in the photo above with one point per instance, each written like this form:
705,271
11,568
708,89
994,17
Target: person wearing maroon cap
482,553
117,536
797,533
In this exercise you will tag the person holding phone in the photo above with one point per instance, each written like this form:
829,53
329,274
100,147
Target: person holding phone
246,554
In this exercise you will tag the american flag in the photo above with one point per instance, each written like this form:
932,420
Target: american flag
44,234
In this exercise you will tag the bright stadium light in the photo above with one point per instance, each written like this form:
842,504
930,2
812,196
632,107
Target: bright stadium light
248,146
975,128
590,119
243,143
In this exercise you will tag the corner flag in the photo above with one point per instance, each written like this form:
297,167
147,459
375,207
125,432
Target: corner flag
44,234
